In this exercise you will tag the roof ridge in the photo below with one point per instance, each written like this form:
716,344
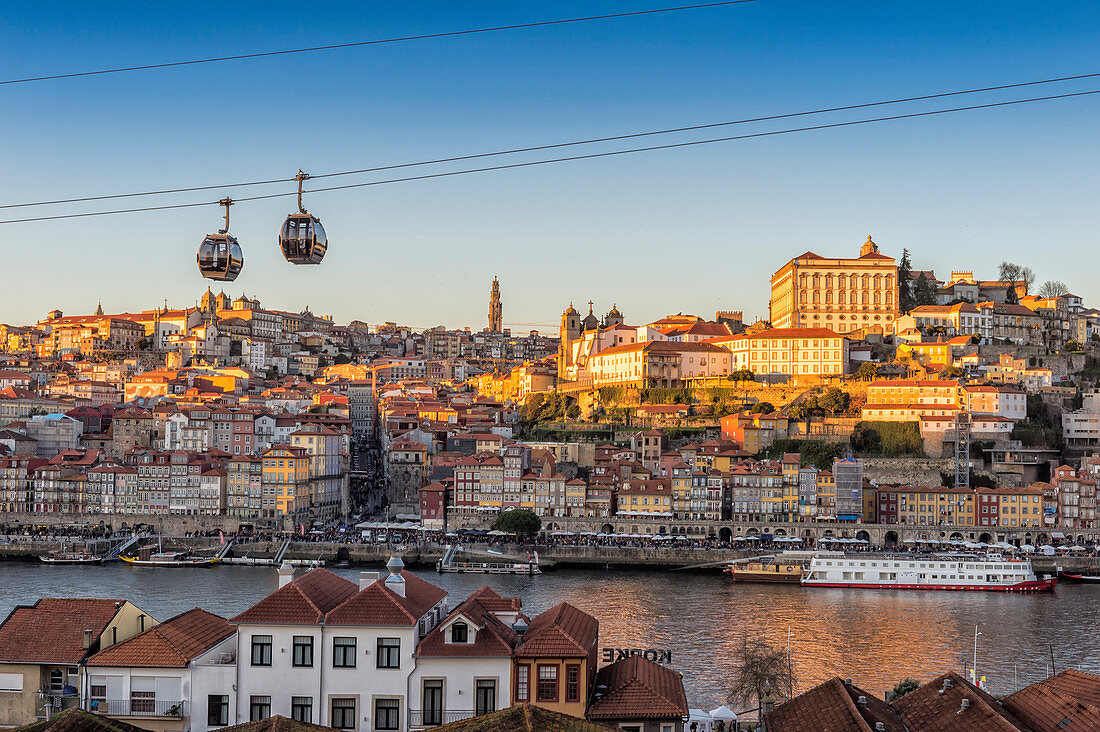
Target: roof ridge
849,703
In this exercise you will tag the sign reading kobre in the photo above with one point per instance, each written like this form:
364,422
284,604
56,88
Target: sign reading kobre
657,655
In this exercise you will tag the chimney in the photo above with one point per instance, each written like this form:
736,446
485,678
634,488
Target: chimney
366,579
965,705
861,700
520,627
286,573
89,639
880,726
395,581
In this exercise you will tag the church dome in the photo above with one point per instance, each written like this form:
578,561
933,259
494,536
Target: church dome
614,311
571,310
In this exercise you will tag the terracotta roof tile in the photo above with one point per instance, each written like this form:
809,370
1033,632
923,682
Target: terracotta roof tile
522,718
172,644
492,637
78,720
302,601
52,630
277,723
1067,701
935,707
561,631
379,605
638,689
833,707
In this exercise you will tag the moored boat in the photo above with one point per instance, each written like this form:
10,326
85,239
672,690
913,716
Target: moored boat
59,557
1079,578
171,559
934,572
765,571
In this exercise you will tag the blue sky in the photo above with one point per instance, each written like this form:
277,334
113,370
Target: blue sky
693,230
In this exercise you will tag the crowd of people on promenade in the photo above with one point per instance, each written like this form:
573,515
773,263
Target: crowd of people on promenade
407,534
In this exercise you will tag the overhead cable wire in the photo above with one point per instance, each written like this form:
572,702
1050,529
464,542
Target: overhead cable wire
551,146
375,42
587,156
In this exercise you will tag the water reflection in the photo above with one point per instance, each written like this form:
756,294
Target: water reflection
874,637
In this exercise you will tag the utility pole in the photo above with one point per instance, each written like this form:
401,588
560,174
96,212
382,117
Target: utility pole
974,668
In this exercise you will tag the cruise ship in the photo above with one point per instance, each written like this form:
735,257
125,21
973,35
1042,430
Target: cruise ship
883,572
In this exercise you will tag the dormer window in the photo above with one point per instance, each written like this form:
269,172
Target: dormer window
459,632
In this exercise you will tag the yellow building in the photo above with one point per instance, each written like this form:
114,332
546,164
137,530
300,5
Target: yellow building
285,480
907,400
681,489
926,354
826,496
811,291
936,506
645,497
790,351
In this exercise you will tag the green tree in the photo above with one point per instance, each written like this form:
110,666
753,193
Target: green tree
835,401
952,372
905,283
865,439
867,371
342,359
924,292
519,521
762,408
903,687
1072,347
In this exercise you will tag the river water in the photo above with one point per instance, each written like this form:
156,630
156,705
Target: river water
875,637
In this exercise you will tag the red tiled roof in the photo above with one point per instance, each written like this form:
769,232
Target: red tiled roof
52,630
379,605
938,708
172,644
561,631
833,707
1069,700
305,600
638,689
491,636
522,718
78,720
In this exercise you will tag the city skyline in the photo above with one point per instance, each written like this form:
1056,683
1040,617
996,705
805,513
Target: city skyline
959,191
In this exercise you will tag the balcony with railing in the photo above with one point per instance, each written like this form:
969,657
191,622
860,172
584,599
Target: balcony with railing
137,708
423,718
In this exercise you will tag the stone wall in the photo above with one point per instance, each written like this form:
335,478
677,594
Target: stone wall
168,525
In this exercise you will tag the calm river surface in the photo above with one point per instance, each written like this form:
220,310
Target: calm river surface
874,637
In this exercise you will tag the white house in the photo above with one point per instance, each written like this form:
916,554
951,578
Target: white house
176,676
464,666
322,649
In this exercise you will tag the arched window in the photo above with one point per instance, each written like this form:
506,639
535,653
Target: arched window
865,297
459,632
878,297
840,297
828,296
841,282
878,281
866,281
889,282
828,282
802,296
817,282
817,296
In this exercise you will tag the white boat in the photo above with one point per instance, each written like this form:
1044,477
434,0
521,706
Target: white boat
70,558
933,572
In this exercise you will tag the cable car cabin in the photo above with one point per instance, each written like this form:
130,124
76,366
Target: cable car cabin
220,257
303,239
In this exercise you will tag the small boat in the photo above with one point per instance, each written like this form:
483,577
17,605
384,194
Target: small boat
171,559
1088,579
60,557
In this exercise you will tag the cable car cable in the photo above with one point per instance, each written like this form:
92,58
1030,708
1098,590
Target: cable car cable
377,41
535,148
588,156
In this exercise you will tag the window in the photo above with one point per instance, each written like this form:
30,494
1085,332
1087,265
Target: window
261,650
97,690
343,653
572,683
459,632
343,713
303,650
523,681
386,713
259,707
389,653
217,710
433,702
548,683
485,696
301,708
143,702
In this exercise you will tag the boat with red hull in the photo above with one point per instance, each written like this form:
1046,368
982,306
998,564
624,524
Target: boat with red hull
1078,578
958,573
